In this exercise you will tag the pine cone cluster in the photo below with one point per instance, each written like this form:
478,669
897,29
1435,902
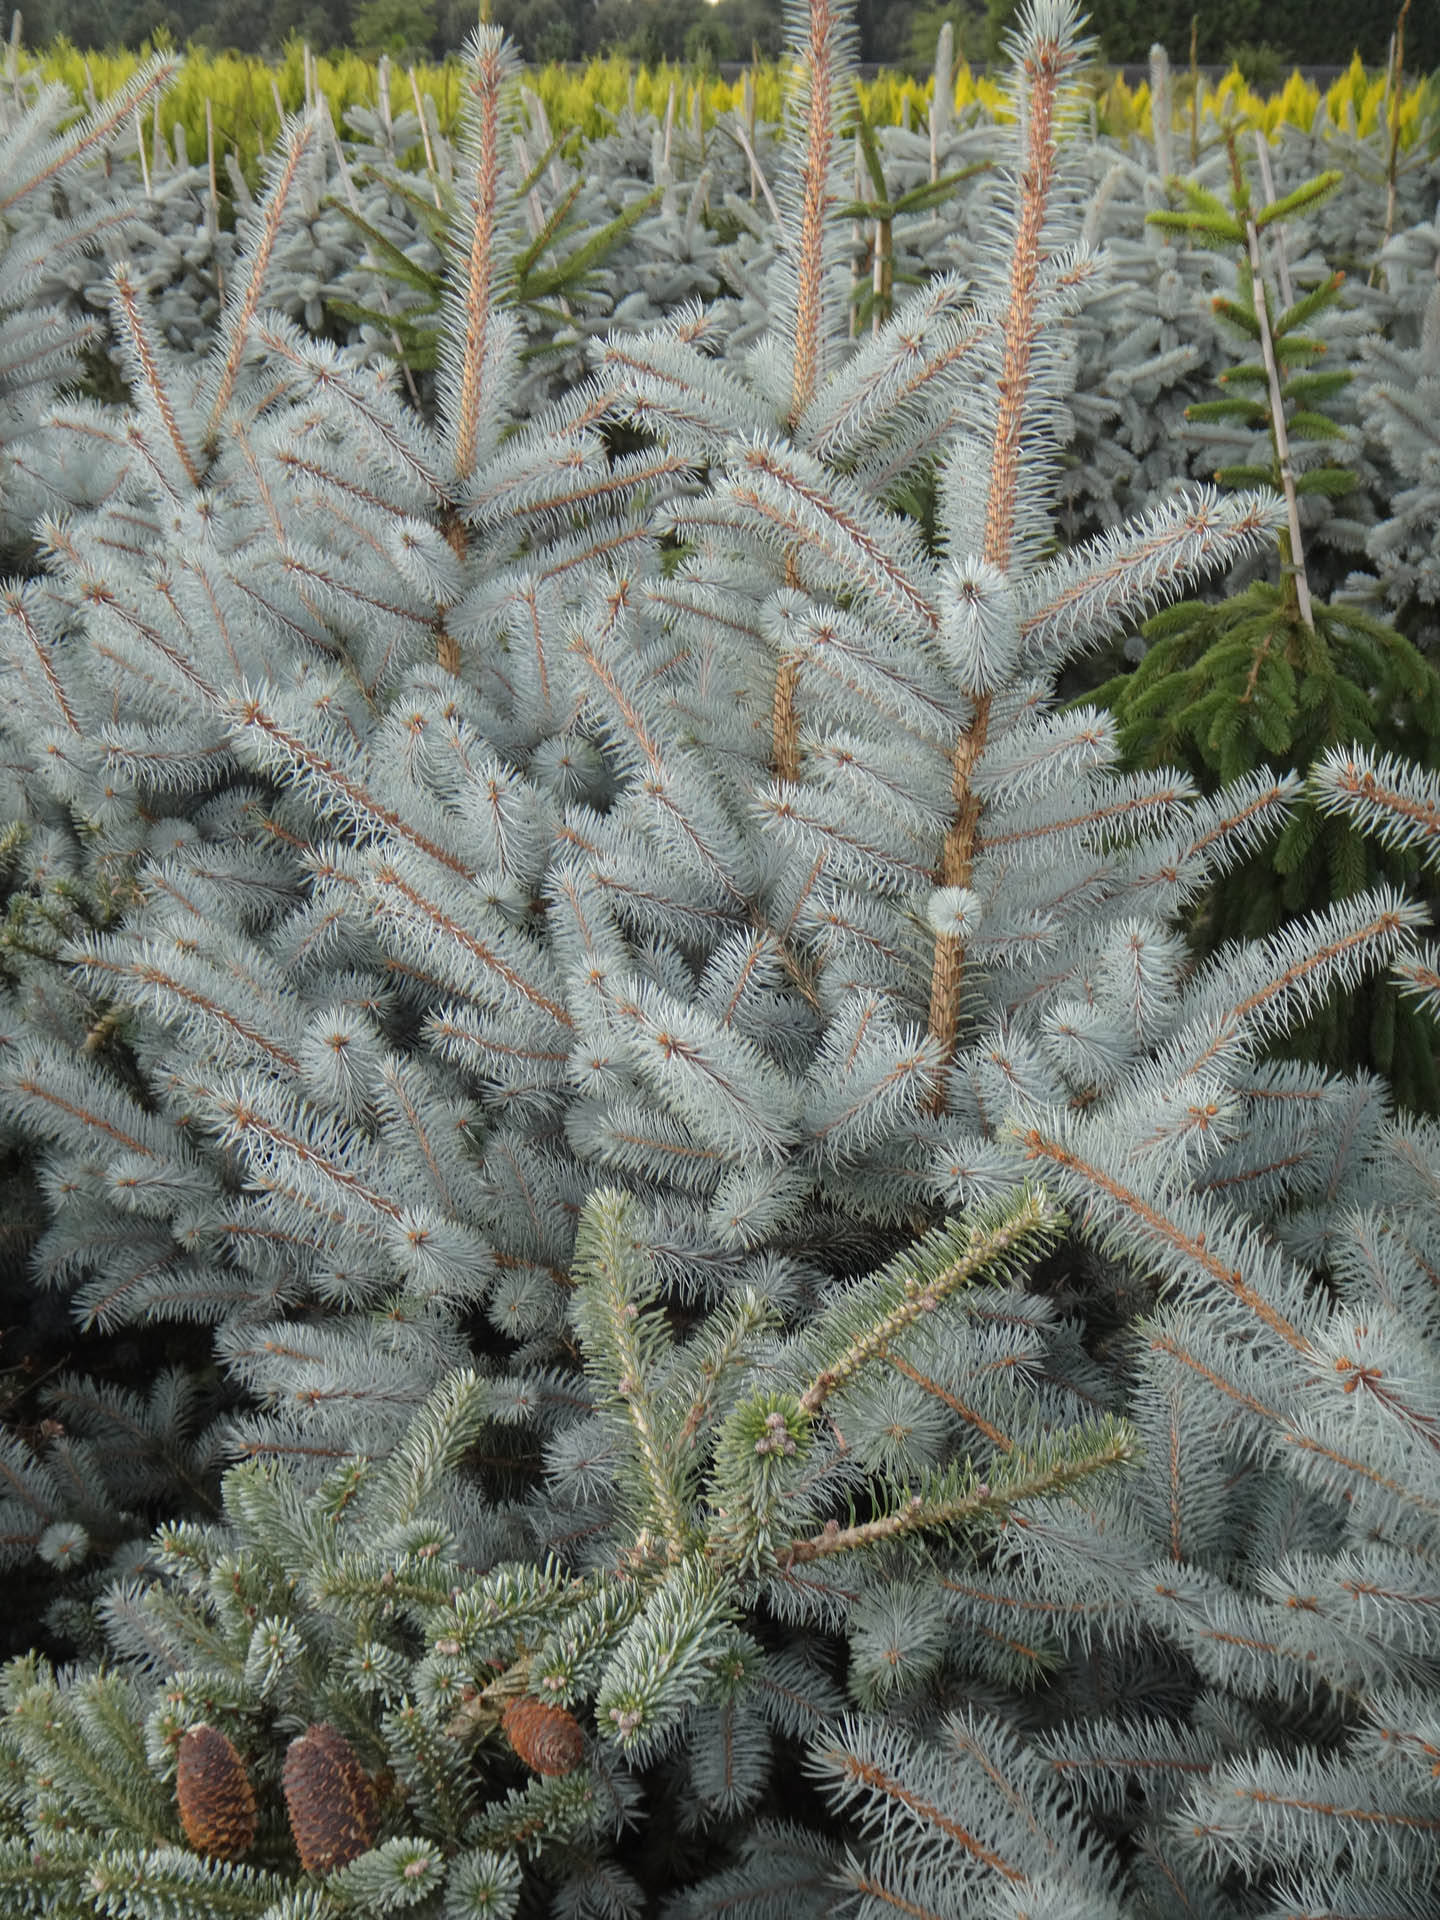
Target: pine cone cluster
217,1802
547,1738
329,1798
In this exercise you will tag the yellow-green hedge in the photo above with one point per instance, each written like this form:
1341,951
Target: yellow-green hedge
242,94
1356,102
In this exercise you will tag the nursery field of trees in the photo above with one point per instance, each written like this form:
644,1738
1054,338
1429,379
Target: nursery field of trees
719,1098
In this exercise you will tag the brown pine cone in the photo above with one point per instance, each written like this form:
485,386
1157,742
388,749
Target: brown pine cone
329,1799
547,1738
217,1802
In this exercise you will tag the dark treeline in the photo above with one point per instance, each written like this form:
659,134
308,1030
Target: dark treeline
1266,36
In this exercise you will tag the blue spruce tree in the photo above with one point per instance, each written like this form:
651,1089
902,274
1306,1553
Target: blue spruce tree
604,913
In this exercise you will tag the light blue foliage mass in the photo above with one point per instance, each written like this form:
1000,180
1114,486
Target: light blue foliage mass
575,937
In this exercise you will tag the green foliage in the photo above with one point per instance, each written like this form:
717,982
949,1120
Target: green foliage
873,296
542,278
404,27
1260,35
972,38
349,1605
1249,682
353,1605
1226,688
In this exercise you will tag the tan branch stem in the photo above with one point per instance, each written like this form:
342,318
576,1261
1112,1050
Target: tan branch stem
810,286
480,264
919,1513
923,1295
1021,328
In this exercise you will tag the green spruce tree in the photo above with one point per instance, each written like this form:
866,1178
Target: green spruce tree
1272,676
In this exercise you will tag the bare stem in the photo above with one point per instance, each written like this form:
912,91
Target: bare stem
1397,78
1293,564
212,202
1277,234
884,280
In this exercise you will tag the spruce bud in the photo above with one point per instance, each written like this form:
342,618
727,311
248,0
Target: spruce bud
217,1802
979,628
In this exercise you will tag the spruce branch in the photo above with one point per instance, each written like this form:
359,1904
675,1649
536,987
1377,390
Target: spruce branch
890,374
300,139
152,978
1154,1229
871,1773
827,525
616,1315
815,161
543,1813
490,68
94,590
94,131
821,54
17,606
167,1880
666,1659
155,377
970,1415
663,382
491,963
56,1733
726,1347
1292,973
1392,798
316,1166
960,1498
1110,582
949,1258
432,1448
1046,61
400,437
337,790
